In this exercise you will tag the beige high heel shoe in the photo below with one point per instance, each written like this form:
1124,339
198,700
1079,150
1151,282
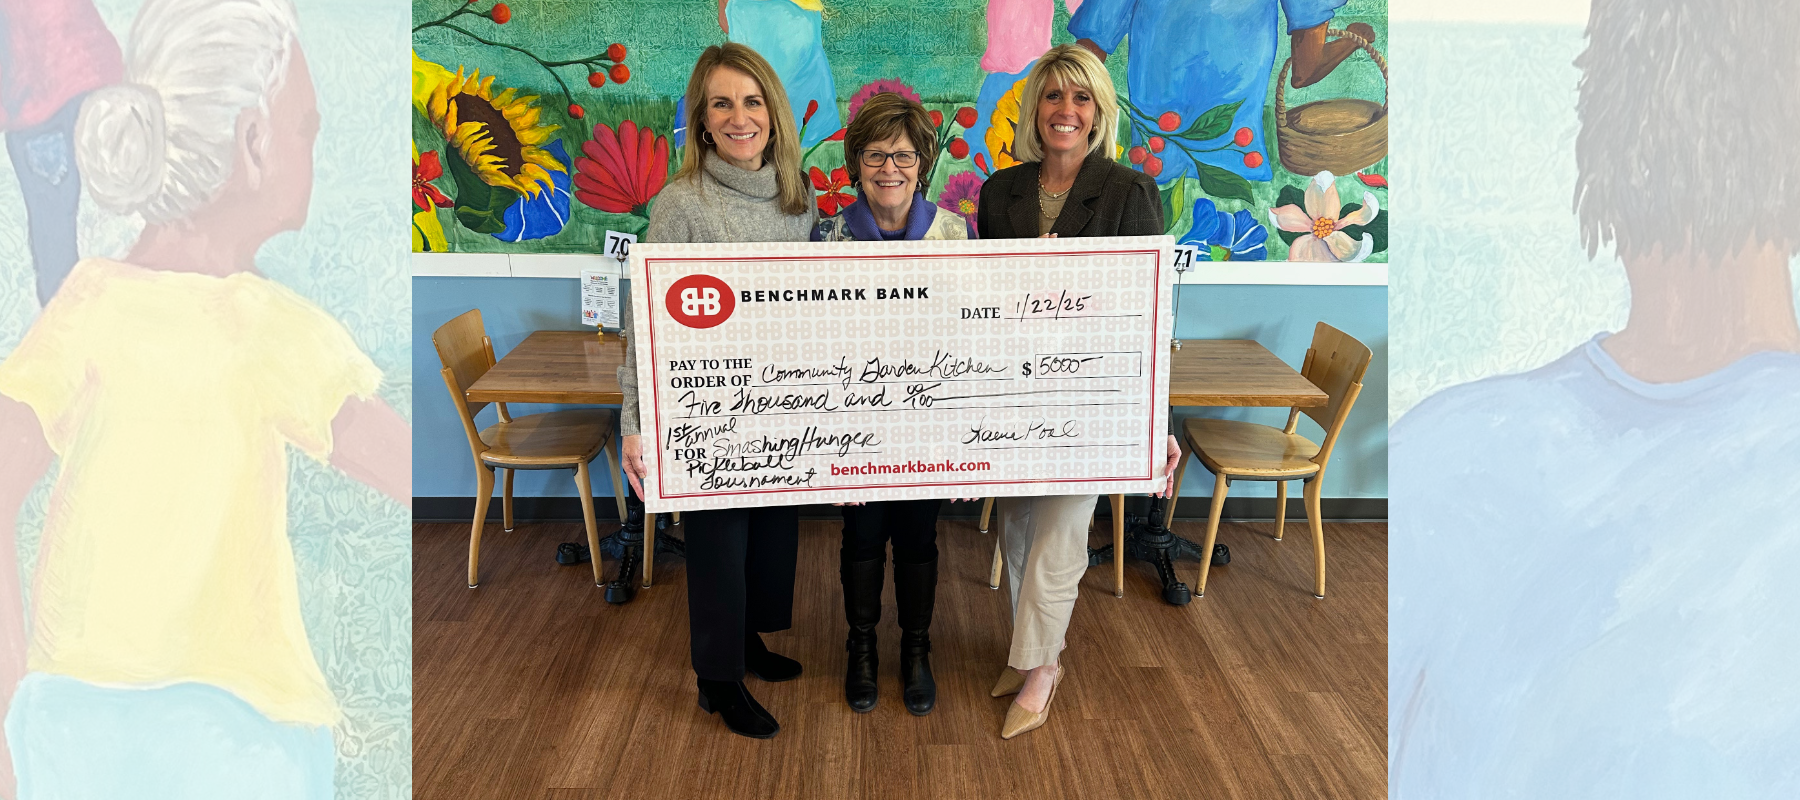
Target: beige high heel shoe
1018,720
1010,683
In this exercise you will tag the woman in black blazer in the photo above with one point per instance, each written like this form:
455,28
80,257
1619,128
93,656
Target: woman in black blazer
1068,186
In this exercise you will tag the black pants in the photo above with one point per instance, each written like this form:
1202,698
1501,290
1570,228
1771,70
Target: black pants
740,577
911,524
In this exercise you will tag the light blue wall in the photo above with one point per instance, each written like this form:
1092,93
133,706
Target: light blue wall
1280,317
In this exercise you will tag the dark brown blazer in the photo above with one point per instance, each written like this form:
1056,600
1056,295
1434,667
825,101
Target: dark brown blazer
1107,199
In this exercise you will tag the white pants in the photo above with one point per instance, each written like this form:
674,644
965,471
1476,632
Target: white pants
1045,539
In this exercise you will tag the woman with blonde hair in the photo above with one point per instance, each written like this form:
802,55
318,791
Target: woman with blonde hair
739,181
1068,186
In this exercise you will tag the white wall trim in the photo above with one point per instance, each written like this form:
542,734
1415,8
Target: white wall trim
1287,273
504,265
551,265
461,265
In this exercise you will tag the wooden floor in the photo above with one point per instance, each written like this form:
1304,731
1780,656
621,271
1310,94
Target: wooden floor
533,687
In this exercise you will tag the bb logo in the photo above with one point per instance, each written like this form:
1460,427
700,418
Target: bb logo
700,301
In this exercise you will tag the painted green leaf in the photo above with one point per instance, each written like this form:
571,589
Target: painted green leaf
1212,124
1376,228
479,206
1289,195
1174,205
1223,184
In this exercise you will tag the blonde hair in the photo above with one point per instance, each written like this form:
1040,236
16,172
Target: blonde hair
160,143
1066,65
884,117
783,151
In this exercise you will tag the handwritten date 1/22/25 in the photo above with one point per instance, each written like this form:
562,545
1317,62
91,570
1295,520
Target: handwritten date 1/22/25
1053,306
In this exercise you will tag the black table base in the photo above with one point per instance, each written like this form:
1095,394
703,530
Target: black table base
626,548
1146,539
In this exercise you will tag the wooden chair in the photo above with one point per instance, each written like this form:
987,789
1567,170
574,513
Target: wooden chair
556,440
1243,451
1118,515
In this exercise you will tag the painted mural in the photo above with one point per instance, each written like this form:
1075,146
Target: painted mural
538,126
204,544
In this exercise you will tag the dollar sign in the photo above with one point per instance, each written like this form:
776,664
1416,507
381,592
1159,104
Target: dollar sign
1025,368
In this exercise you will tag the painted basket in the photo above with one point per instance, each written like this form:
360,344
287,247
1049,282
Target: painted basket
1339,136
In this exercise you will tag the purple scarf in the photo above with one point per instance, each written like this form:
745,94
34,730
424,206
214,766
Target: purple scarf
861,221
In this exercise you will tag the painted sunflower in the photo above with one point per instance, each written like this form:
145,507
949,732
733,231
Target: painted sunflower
1003,128
497,135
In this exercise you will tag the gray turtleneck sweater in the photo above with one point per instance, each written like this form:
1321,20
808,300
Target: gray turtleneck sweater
725,204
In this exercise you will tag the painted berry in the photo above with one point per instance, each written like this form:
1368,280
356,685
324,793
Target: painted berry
1169,121
965,117
812,107
1253,159
1156,144
981,162
1241,138
576,112
959,148
1153,166
619,73
501,13
937,118
596,79
615,52
1137,154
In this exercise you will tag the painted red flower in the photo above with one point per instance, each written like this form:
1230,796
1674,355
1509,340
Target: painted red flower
620,172
426,170
834,197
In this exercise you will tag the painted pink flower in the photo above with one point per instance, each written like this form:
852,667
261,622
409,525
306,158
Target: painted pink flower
1324,238
962,195
877,87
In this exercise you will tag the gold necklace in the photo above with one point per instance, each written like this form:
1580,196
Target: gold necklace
1052,195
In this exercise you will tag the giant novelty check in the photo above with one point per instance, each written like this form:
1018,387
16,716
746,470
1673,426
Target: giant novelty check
787,373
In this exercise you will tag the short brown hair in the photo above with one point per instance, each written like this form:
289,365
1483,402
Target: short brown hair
883,117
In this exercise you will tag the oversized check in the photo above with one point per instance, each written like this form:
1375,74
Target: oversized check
786,373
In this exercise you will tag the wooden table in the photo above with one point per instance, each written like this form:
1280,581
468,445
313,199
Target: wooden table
580,367
556,367
1236,372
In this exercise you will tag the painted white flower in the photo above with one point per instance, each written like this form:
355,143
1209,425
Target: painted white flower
1324,238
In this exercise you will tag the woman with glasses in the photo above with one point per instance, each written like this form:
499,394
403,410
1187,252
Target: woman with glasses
885,162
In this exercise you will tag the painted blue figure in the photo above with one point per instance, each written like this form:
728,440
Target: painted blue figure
1189,56
788,33
1592,562
51,56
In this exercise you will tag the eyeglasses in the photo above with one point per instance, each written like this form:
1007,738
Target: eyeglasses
904,159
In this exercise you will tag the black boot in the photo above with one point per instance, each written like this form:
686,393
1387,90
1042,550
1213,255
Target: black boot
915,592
770,667
733,703
862,607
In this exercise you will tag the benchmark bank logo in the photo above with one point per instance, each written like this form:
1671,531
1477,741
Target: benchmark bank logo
700,301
